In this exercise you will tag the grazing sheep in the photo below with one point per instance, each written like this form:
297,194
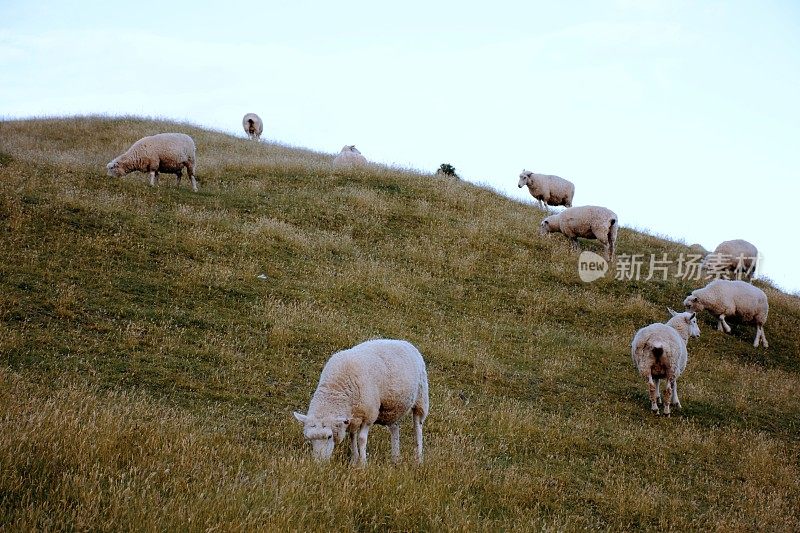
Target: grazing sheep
164,152
659,352
736,258
375,382
587,221
547,189
253,126
724,298
349,156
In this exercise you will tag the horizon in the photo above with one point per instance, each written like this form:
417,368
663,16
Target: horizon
643,105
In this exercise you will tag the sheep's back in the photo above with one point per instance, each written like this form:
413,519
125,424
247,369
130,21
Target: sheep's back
675,354
383,374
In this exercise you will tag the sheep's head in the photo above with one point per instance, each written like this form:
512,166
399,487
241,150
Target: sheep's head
523,179
693,303
350,148
548,225
690,321
323,433
113,169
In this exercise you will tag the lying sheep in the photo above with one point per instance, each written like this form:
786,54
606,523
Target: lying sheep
253,127
375,382
724,298
659,352
550,190
587,221
349,156
736,258
164,152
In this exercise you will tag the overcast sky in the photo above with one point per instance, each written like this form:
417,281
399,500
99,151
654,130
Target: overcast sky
683,117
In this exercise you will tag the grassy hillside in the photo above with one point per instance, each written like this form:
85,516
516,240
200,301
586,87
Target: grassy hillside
147,374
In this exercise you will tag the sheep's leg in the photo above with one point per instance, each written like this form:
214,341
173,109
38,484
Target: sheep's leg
651,388
760,337
723,325
394,429
180,175
190,172
418,431
153,178
353,448
675,399
668,395
574,243
363,433
658,392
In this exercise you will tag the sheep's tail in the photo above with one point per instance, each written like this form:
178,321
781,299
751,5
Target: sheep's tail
658,350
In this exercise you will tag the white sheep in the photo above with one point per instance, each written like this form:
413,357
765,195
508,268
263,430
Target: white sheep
737,258
375,382
253,127
659,352
724,298
349,156
164,152
587,221
547,189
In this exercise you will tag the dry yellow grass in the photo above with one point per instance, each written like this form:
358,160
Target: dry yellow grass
147,375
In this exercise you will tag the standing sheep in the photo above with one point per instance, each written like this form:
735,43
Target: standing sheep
253,127
164,152
587,221
349,156
737,258
724,298
547,189
659,352
375,382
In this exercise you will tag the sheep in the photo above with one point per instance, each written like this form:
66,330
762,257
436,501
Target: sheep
732,258
723,298
659,352
547,189
376,382
349,156
587,221
253,127
164,152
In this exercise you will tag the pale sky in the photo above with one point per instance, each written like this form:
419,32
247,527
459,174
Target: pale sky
683,117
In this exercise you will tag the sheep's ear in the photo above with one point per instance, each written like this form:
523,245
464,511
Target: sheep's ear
344,421
671,312
301,417
693,315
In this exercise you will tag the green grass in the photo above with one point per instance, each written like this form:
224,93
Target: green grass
147,375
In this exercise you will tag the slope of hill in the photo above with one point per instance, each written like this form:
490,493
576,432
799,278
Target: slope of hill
148,375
